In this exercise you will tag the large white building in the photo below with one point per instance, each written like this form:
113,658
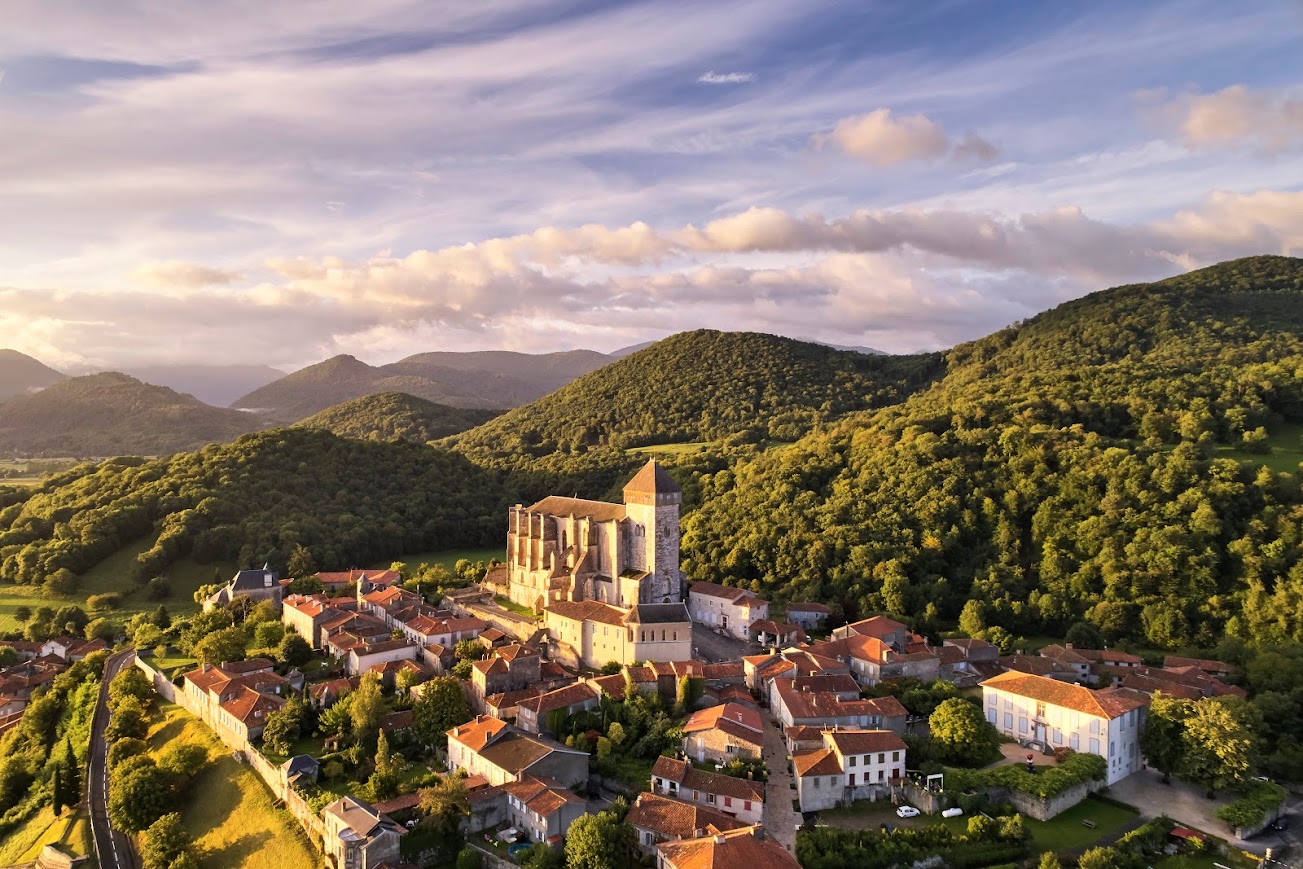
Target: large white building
731,610
1046,714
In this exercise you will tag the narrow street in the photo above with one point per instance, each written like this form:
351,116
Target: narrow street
781,820
113,849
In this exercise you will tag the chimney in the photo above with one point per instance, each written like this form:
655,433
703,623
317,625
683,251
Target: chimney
719,839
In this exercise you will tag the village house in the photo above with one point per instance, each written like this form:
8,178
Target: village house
740,798
236,698
357,836
592,634
536,714
767,632
724,733
745,848
490,747
1046,714
965,662
850,765
811,616
70,649
510,668
894,655
448,631
342,580
264,584
792,706
543,808
305,614
324,694
658,819
366,655
728,610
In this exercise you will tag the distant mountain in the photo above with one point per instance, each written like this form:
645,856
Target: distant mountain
631,349
389,416
113,414
703,385
488,380
21,374
218,385
852,348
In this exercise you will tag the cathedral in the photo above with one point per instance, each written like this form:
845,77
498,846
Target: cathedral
623,555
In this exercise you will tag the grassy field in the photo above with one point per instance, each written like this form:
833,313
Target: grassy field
508,604
1286,450
447,557
72,831
684,449
1065,831
228,810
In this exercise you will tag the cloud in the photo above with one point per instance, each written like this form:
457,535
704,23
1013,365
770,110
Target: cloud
183,275
884,140
713,77
1233,116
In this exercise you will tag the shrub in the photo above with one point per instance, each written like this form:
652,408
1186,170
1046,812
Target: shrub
1250,810
104,602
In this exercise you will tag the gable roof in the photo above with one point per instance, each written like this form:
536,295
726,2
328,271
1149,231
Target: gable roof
864,741
744,719
732,594
357,817
658,614
1102,704
587,610
804,607
675,818
478,733
821,761
515,752
743,848
562,698
877,626
598,511
688,776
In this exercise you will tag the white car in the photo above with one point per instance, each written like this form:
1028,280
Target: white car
907,812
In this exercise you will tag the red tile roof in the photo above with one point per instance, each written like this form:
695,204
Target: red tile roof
676,819
692,778
864,741
821,761
724,592
746,717
1102,704
478,733
730,849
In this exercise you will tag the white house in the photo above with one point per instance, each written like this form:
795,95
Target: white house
1046,714
851,765
732,610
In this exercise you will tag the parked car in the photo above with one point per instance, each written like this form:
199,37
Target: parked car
1281,824
907,812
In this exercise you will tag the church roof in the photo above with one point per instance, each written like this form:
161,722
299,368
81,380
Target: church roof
652,479
598,511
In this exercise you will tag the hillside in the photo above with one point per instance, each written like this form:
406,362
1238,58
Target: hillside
21,374
548,371
391,416
698,386
112,414
1097,463
343,378
349,501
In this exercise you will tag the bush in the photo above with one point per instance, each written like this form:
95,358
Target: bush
469,858
1047,782
1250,810
104,602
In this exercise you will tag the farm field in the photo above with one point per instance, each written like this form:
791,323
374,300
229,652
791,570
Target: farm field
446,557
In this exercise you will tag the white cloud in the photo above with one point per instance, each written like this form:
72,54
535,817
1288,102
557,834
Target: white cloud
884,140
183,275
1234,116
713,77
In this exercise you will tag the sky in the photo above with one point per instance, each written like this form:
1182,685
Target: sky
235,181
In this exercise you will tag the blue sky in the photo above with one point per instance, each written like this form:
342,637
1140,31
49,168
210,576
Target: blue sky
242,181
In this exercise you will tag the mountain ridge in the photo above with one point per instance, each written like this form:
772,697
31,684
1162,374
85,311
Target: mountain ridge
21,374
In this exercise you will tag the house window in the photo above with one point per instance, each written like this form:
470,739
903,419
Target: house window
852,780
1040,709
816,781
853,760
710,798
728,801
1094,725
746,806
991,698
882,774
1094,746
1058,736
1008,721
1022,725
1008,703
882,758
895,756
991,715
1074,742
1112,748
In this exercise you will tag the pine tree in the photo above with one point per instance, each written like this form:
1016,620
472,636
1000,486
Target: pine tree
59,797
72,773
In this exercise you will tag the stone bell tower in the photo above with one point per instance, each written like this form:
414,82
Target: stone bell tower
651,501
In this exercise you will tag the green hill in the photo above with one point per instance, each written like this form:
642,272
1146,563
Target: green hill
349,501
1075,467
391,416
112,414
21,374
697,386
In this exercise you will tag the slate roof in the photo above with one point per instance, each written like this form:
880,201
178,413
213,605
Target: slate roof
658,614
651,480
515,752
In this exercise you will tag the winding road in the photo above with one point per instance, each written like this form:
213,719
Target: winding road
113,849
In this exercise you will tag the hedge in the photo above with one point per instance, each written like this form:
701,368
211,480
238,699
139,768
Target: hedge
1045,783
1260,799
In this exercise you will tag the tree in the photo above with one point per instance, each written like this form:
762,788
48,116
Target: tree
616,734
139,796
599,841
1049,860
284,726
972,620
441,707
301,564
469,858
128,719
1109,858
161,619
469,650
183,760
1084,635
71,772
384,780
131,682
610,668
22,613
293,650
1220,745
443,806
1163,740
127,746
221,646
165,841
8,656
268,634
983,829
58,796
368,706
960,734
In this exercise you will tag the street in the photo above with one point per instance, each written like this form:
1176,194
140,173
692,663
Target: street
781,820
113,849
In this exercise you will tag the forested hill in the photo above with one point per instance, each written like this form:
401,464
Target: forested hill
113,414
349,501
391,416
20,374
700,385
1100,462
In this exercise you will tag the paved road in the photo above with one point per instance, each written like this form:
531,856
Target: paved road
112,848
781,820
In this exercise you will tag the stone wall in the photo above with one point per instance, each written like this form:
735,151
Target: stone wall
1044,809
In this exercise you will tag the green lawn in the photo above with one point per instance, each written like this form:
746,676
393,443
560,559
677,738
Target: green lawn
1286,450
508,604
72,831
227,808
1233,857
1065,831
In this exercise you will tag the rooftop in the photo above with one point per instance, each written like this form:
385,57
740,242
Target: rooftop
1103,704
